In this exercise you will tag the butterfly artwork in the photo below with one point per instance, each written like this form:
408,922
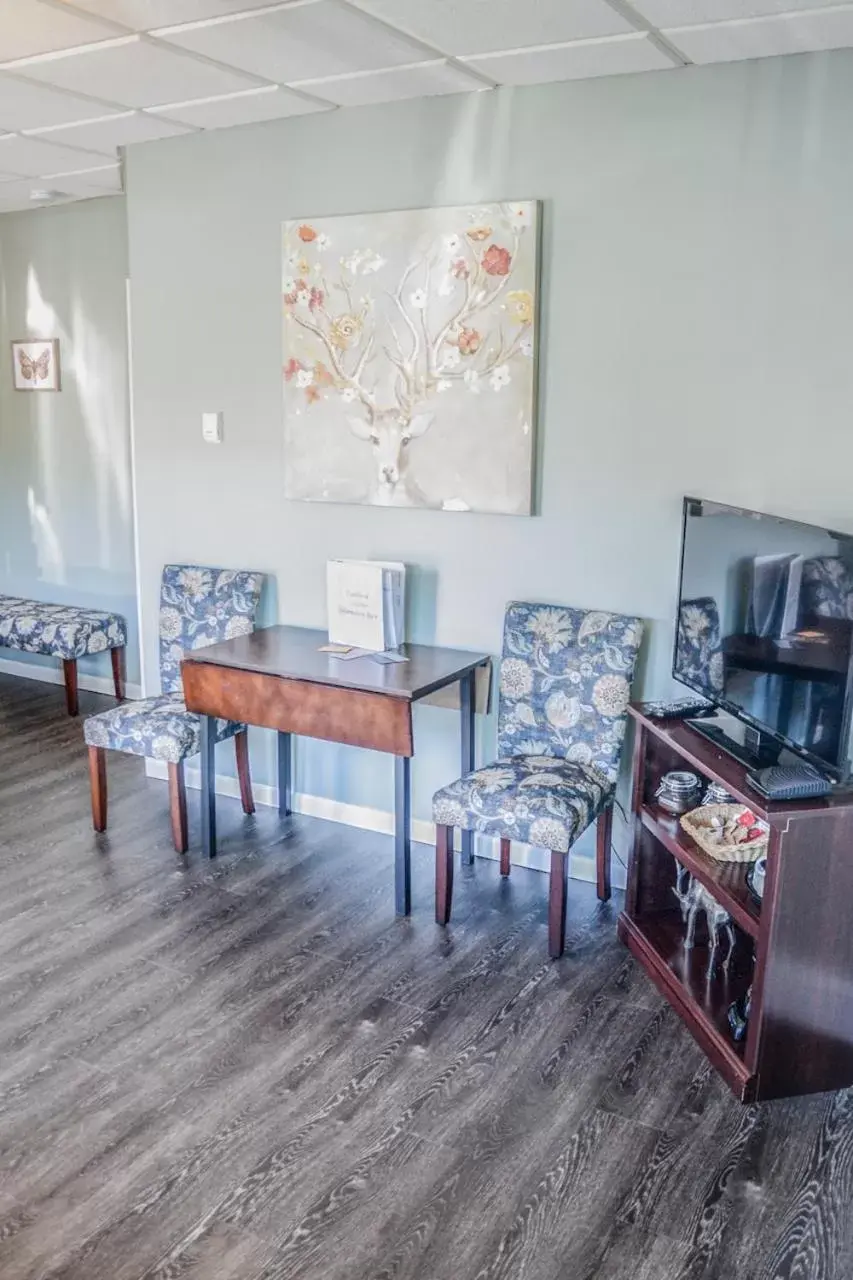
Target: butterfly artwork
35,365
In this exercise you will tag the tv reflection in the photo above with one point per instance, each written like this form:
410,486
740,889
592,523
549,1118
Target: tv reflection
784,658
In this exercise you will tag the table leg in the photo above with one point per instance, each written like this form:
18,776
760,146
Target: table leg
402,839
208,786
284,775
466,711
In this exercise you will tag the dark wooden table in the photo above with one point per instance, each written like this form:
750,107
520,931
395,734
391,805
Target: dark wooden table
277,678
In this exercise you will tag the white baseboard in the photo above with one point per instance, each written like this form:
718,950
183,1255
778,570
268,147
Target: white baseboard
581,865
53,675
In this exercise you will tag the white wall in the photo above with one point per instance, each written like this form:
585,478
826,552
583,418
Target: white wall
697,320
66,519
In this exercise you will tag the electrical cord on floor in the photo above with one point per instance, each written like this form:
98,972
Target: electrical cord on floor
613,850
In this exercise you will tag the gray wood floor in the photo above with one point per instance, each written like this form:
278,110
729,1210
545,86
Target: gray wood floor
250,1069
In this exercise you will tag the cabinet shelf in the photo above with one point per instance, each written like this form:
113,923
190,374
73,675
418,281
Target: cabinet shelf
725,880
658,942
794,950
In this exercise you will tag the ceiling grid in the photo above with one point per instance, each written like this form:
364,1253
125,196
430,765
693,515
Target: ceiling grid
80,79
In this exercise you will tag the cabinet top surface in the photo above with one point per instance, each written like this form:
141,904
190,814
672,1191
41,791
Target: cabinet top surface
717,764
293,653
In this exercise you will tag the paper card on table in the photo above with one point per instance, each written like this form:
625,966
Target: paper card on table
366,603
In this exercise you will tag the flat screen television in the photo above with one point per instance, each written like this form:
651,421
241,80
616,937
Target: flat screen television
764,630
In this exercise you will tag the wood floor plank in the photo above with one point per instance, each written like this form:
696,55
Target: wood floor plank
250,1069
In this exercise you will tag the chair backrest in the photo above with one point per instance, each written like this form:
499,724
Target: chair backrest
698,650
200,606
565,683
827,590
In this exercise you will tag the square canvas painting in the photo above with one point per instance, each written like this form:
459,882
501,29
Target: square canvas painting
35,364
410,357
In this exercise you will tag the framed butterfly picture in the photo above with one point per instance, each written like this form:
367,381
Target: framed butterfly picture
35,364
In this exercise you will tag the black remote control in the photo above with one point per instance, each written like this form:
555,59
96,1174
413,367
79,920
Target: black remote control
789,782
679,709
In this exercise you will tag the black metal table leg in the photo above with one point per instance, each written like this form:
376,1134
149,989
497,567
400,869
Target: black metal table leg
402,839
284,775
466,711
208,786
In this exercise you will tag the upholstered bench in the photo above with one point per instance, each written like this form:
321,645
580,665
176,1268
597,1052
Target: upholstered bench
63,631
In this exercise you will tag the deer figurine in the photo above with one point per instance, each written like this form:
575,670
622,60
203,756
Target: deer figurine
693,897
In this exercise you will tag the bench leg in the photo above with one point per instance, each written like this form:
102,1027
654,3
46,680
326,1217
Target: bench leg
178,807
69,671
118,661
98,784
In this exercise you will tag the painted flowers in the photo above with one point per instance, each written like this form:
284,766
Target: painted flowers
380,326
344,330
496,261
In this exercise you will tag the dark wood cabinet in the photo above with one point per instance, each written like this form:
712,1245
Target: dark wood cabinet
794,948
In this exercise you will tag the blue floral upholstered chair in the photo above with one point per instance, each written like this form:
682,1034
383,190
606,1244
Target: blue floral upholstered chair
198,606
827,590
699,651
565,683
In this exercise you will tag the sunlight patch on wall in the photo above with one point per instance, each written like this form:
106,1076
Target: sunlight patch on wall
51,562
99,386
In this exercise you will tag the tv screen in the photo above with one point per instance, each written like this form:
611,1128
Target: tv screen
764,624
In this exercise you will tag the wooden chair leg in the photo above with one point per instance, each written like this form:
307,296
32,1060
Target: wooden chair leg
241,751
178,807
505,864
443,873
603,840
98,785
557,905
118,660
69,672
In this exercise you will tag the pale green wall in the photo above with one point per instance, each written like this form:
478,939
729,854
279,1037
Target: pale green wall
66,521
697,333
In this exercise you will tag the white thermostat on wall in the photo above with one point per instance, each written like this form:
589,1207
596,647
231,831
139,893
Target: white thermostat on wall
211,428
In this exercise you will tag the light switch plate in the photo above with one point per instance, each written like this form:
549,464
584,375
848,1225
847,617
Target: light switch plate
211,428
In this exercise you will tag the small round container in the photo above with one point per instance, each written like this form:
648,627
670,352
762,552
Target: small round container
755,877
715,793
678,791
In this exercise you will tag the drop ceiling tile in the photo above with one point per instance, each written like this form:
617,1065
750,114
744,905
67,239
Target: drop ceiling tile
108,132
104,179
482,26
425,79
300,41
32,106
614,55
134,71
27,28
239,108
144,15
31,156
765,37
686,13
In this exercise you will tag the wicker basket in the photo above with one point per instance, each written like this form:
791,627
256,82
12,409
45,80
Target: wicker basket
745,852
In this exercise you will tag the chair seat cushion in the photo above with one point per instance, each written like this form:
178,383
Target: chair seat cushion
160,728
62,630
540,800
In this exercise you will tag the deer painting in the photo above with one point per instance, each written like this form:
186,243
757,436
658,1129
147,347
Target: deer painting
409,357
